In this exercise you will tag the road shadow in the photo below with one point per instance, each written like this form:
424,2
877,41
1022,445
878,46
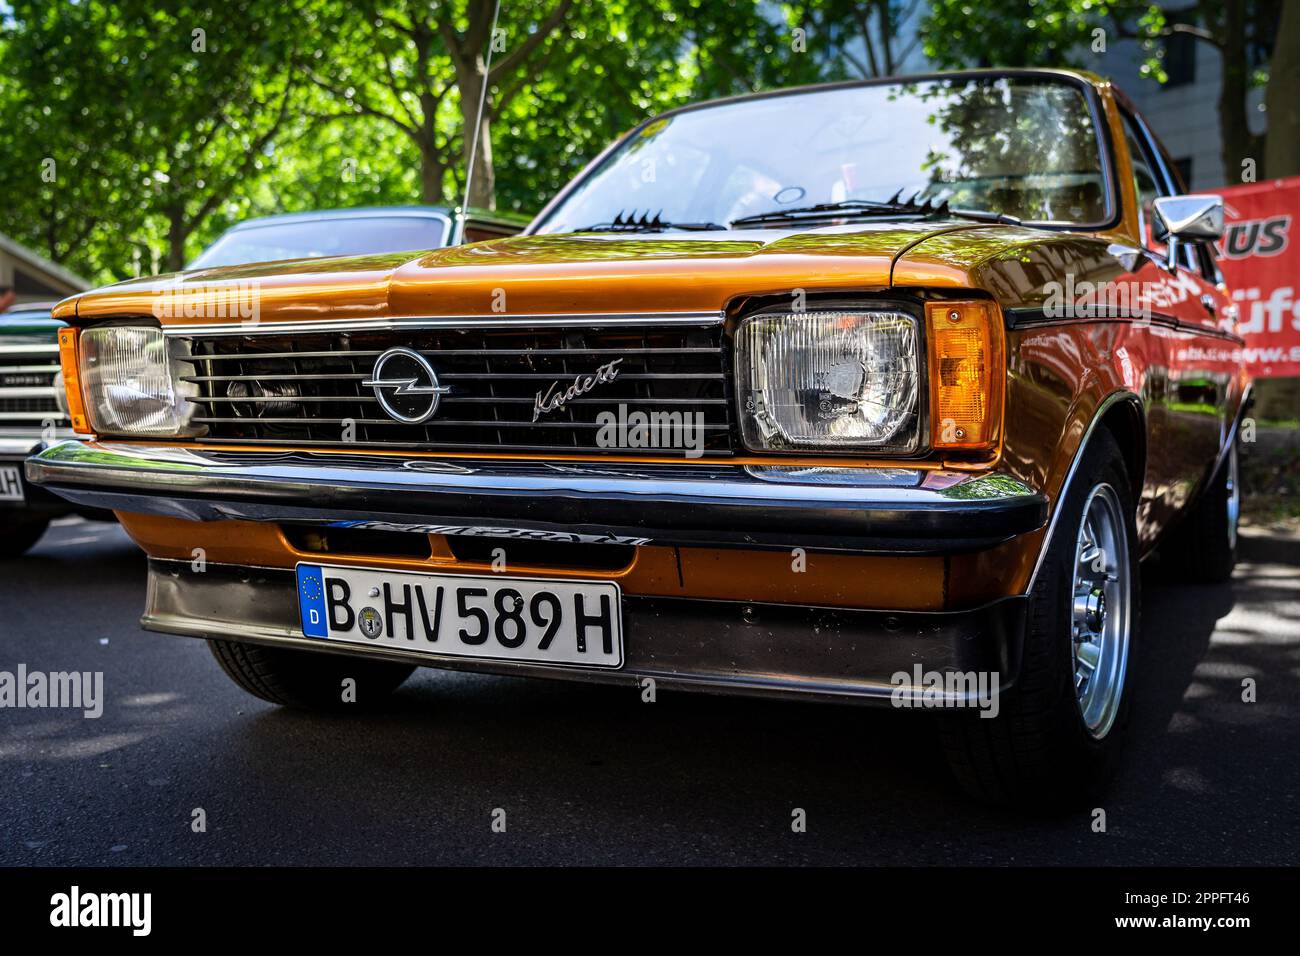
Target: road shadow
592,774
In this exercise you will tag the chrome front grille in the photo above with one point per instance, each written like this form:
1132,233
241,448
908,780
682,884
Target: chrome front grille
305,388
28,374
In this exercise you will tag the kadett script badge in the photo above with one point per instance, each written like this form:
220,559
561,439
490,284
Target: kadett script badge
582,384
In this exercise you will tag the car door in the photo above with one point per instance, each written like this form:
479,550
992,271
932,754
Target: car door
1188,310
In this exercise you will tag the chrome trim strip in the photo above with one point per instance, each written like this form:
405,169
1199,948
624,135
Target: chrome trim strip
1105,405
418,322
35,349
54,413
852,509
1032,317
19,447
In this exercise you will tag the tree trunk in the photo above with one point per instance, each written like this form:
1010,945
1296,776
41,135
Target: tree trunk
431,174
1238,143
886,37
1282,148
52,238
177,233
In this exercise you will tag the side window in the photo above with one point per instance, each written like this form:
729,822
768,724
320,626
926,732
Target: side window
1150,181
1144,182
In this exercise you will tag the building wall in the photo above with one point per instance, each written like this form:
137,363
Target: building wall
32,279
1185,117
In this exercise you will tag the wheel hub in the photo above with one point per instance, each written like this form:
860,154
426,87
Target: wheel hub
1100,610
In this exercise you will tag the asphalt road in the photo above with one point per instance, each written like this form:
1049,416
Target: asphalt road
591,775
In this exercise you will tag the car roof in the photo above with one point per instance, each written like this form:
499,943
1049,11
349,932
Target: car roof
28,317
355,212
1060,73
25,307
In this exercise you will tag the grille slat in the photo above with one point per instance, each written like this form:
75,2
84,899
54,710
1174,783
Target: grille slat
440,446
25,369
546,376
452,399
442,353
27,384
305,388
431,423
34,415
43,391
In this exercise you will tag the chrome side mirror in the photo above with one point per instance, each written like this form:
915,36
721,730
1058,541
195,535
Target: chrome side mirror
1178,219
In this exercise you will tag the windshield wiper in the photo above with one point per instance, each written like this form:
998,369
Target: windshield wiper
628,222
829,210
985,215
866,208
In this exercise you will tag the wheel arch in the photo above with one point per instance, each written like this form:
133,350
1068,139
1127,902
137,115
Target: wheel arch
1126,421
1121,414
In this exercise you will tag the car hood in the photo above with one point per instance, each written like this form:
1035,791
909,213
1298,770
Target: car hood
587,273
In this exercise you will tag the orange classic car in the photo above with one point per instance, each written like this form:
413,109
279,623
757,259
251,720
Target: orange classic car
868,392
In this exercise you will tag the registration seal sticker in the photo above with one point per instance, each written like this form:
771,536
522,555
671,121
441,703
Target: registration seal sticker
370,622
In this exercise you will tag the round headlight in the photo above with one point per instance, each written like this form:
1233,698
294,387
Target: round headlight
129,379
838,380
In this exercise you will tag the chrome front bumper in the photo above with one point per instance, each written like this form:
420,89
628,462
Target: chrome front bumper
726,647
863,510
37,502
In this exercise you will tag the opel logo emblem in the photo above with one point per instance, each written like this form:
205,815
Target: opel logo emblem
406,385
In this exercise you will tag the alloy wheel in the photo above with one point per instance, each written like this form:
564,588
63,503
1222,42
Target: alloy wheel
1101,611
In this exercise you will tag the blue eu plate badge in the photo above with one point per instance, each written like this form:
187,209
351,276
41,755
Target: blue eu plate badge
311,600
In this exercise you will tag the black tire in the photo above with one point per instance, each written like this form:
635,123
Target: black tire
1202,548
1037,754
304,679
18,534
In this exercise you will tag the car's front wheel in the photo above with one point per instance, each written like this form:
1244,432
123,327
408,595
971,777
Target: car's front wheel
307,680
1055,739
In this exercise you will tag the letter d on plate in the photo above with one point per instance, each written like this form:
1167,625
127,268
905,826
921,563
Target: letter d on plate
311,601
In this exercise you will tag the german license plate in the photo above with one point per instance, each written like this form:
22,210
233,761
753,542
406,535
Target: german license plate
542,620
11,483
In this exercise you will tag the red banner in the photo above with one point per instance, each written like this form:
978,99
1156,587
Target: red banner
1261,264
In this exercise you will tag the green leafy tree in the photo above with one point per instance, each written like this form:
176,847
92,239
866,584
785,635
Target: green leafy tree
163,113
64,199
413,65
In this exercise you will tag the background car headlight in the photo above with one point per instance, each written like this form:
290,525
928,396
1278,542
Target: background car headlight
130,378
841,380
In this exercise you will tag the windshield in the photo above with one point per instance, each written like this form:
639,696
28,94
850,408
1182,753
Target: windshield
344,236
1022,147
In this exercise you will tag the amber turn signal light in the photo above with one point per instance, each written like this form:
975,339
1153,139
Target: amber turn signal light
69,364
967,375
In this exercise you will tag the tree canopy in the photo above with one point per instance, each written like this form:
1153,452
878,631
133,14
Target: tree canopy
134,131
